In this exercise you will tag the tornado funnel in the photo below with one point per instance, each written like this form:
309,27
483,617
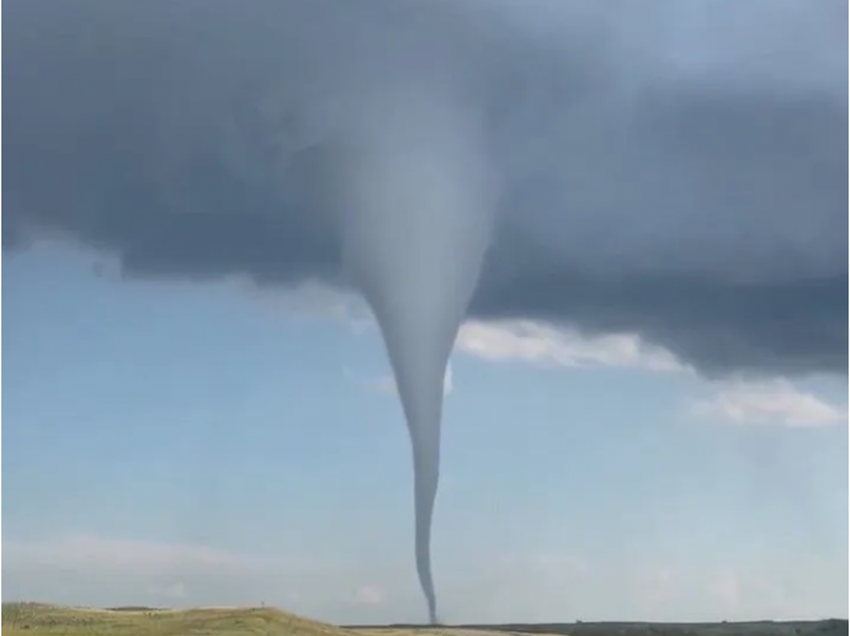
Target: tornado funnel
415,235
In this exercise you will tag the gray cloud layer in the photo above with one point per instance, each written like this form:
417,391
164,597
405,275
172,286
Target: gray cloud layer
676,169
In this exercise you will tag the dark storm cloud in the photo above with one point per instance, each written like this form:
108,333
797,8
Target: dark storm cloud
678,169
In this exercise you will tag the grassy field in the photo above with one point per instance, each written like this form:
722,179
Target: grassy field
34,619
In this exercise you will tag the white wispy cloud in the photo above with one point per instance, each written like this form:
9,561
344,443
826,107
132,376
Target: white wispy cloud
99,571
533,342
777,402
83,550
774,401
506,340
366,595
175,591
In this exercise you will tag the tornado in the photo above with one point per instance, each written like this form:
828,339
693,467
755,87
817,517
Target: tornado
417,223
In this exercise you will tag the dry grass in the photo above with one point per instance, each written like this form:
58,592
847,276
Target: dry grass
32,619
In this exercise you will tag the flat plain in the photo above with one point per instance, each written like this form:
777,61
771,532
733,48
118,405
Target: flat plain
38,619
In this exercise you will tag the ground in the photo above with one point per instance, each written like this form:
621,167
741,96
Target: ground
36,619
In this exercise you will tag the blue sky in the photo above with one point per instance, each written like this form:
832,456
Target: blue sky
212,444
